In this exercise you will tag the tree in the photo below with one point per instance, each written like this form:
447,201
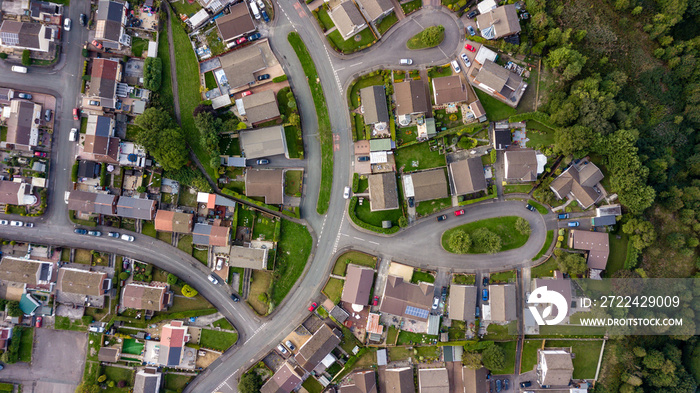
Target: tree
565,61
471,360
433,35
573,264
151,123
487,241
494,357
26,58
172,151
172,279
123,276
459,242
209,127
250,383
466,143
403,222
188,291
294,119
3,55
522,226
13,309
152,73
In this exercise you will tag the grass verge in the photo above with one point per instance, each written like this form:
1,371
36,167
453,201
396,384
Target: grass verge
216,340
293,252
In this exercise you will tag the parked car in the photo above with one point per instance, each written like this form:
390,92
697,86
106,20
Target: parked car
79,231
263,77
246,93
83,20
282,349
16,223
442,217
525,384
25,96
20,69
264,15
436,302
530,207
235,298
498,385
97,44
67,24
563,216
290,345
472,14
41,154
38,321
127,238
471,30
574,224
73,136
94,103
346,192
241,40
411,202
95,233
47,115
470,48
363,158
219,264
477,312
76,114
212,278
405,62
455,65
485,295
262,161
113,234
29,225
313,306
459,212
375,300
485,281
505,384
465,59
254,37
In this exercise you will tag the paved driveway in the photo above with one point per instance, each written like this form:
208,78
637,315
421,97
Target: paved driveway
57,365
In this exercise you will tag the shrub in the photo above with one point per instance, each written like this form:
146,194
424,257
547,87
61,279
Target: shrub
432,35
152,73
123,276
3,55
188,291
280,78
26,58
172,279
85,52
74,172
102,378
103,175
355,182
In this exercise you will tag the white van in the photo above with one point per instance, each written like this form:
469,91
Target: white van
73,134
20,69
254,9
455,65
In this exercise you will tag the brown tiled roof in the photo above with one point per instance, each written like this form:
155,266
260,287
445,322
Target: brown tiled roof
90,202
559,367
504,19
260,106
475,380
236,23
462,302
448,89
19,270
558,284
521,164
410,97
358,284
268,183
467,176
429,185
579,180
110,355
284,380
240,64
361,382
103,82
596,243
170,221
9,192
433,380
503,303
399,380
210,235
399,295
19,125
383,194
82,282
27,34
374,104
317,347
144,297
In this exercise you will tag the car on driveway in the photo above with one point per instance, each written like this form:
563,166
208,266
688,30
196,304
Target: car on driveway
282,349
471,30
263,77
472,14
485,281
25,96
459,212
80,231
47,115
485,295
436,302
477,312
290,345
530,207
375,300
505,384
525,384
16,223
363,158
76,114
127,238
574,224
442,217
97,44
465,59
498,385
95,233
212,279
246,93
113,234
262,161
265,16
313,306
38,321
41,154
67,24
470,48
241,40
411,202
254,37
455,65
563,216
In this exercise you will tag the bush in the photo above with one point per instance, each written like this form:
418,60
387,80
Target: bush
172,279
152,73
123,276
103,175
432,35
355,182
188,291
280,78
85,52
121,384
102,378
26,58
74,172
3,55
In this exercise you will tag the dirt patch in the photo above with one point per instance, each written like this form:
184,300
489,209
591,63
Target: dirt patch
208,358
259,286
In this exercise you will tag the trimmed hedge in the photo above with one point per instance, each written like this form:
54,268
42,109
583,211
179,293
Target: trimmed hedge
362,224
279,79
355,182
245,198
489,196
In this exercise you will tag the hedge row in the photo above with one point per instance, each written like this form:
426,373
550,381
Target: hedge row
245,198
362,224
489,196
536,115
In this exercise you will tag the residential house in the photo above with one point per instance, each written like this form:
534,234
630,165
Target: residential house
77,287
100,143
259,107
248,257
173,337
580,181
268,183
88,169
557,284
483,54
383,194
410,99
241,65
110,24
23,125
26,35
467,176
108,354
43,11
374,10
28,304
19,194
147,380
398,380
196,20
285,380
347,19
486,6
214,6
521,165
105,77
478,111
236,24
5,96
603,221
462,302
263,142
598,246
25,273
449,90
433,380
374,328
374,108
501,306
554,367
358,285
136,208
153,296
360,382
170,221
426,185
223,205
92,203
312,355
499,82
211,235
501,138
475,380
609,210
408,300
499,22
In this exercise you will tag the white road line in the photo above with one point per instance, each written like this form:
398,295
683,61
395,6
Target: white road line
374,242
340,69
356,64
337,239
345,234
358,238
443,52
421,26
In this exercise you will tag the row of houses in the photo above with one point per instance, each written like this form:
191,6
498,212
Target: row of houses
350,17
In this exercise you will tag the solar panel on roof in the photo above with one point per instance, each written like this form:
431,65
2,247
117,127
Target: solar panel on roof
416,312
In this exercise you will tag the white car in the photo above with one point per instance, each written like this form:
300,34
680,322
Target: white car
455,65
213,279
73,136
282,349
29,224
16,224
4,222
128,238
219,264
406,62
66,24
467,63
346,193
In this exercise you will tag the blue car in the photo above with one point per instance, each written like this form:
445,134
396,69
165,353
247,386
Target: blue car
498,385
80,231
264,15
485,295
574,224
477,312
563,216
254,37
471,31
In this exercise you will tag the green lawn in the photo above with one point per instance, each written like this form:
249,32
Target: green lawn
293,251
138,45
184,7
457,330
149,228
216,46
361,83
429,207
360,132
351,45
495,109
187,304
539,134
216,340
509,347
229,146
210,80
201,256
312,386
516,188
188,85
176,382
464,279
165,93
502,277
295,144
386,23
618,253
334,289
26,343
325,19
293,182
541,209
324,124
419,276
376,218
391,336
185,244
264,228
502,226
417,157
529,355
500,332
437,72
547,243
355,257
406,135
545,269
587,355
415,42
406,338
411,6
399,353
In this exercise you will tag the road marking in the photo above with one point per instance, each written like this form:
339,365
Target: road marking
421,26
340,69
443,52
356,64
375,243
337,239
357,238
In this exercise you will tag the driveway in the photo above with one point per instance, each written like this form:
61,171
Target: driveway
58,361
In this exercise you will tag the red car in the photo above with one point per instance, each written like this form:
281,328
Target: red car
313,306
246,93
38,322
76,114
241,40
41,154
97,44
459,212
470,48
375,301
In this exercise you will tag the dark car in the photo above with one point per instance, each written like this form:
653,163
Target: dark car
254,37
471,30
485,281
263,77
477,312
525,384
264,15
83,20
262,161
363,158
485,295
563,216
505,384
530,207
235,298
80,231
411,202
444,292
442,217
498,385
472,14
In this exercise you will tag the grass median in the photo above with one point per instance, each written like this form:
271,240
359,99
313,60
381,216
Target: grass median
324,123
